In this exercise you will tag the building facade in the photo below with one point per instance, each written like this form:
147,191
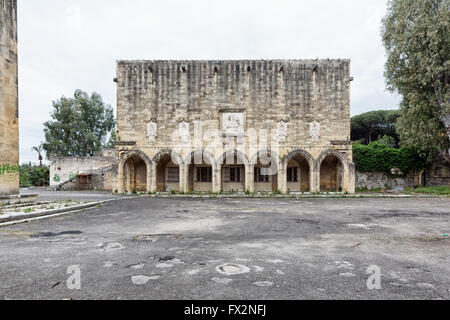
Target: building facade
9,109
222,126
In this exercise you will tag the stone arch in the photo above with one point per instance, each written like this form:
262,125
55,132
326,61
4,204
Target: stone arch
168,171
254,158
234,175
240,155
206,155
265,174
302,153
298,167
200,168
128,157
168,152
333,170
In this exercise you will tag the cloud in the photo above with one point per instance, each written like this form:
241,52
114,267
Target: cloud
65,45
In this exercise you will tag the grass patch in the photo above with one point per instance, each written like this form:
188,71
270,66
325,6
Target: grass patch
443,190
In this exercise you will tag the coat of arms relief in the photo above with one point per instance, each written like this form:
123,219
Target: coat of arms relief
282,131
152,131
315,131
233,123
184,131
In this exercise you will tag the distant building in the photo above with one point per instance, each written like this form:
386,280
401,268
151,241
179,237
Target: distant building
9,110
220,126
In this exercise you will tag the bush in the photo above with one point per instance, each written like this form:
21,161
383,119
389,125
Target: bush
377,157
31,175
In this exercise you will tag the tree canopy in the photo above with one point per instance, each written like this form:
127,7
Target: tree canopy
370,126
80,126
416,35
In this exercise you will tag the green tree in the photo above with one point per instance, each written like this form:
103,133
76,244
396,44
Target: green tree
370,126
79,127
416,35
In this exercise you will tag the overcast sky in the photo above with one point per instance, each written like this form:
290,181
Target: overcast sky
70,44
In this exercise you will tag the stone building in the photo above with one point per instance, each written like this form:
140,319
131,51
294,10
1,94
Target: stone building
220,126
9,113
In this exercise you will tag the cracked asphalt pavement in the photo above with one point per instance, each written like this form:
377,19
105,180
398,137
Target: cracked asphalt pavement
147,248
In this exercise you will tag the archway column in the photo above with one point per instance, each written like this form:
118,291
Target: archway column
121,177
348,182
314,178
153,184
282,178
216,178
249,178
184,169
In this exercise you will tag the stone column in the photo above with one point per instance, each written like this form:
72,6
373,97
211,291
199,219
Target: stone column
216,178
120,180
349,180
154,186
184,176
282,178
249,178
315,178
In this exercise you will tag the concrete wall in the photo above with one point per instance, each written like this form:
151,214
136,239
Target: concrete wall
9,108
167,94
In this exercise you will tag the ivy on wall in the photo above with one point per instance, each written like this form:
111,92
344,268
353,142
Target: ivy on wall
377,157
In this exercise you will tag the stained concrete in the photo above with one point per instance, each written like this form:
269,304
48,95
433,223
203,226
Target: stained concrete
293,249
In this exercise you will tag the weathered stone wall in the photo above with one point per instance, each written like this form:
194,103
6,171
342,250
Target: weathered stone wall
267,94
65,169
9,113
437,175
380,180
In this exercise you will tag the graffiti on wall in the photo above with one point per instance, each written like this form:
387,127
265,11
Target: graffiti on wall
8,169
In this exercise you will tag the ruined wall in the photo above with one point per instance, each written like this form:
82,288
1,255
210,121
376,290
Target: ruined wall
9,113
65,169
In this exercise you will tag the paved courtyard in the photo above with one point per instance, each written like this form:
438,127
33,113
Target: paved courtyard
145,248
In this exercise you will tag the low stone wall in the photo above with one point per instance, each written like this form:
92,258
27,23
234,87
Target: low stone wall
378,180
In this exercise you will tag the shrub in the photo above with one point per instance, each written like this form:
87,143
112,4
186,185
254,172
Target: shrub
34,175
378,157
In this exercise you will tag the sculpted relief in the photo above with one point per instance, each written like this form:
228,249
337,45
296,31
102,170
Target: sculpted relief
282,131
152,131
233,123
315,131
184,131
